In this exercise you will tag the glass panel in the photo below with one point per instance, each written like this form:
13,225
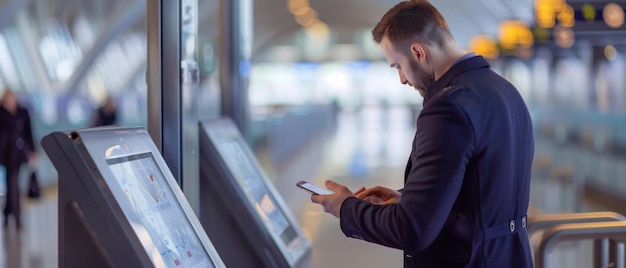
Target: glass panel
208,59
189,94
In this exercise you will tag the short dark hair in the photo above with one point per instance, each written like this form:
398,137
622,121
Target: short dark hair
416,20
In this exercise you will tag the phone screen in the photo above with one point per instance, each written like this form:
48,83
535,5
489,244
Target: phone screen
314,189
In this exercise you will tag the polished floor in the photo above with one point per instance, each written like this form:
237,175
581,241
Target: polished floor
367,147
35,245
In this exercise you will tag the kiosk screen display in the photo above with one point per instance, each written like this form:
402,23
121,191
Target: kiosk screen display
256,191
164,230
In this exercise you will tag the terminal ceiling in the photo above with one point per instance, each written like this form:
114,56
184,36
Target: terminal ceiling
275,26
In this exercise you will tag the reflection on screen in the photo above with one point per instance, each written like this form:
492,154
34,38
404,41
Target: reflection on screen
170,239
257,191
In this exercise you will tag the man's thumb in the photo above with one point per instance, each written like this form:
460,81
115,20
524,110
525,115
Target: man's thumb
331,184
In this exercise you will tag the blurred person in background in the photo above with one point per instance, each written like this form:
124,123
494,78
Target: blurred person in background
466,183
16,148
106,114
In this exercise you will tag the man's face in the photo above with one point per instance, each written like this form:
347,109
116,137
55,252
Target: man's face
413,70
9,101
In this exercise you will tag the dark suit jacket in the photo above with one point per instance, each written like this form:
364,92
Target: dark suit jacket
467,181
16,137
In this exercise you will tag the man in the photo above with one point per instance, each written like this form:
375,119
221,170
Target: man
106,114
466,184
16,148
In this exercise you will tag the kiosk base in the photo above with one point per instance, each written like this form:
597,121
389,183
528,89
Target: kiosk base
219,223
76,245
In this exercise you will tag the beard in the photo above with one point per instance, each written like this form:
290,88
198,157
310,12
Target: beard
422,77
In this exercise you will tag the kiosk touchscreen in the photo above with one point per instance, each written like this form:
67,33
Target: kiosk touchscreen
241,207
119,204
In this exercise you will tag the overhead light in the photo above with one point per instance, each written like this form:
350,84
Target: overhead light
544,13
566,16
318,31
563,36
307,19
484,45
613,15
548,11
589,12
610,52
301,10
514,33
296,4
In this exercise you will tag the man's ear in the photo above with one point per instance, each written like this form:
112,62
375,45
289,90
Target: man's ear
418,51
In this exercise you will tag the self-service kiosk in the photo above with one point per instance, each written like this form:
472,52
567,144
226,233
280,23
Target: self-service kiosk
119,204
240,208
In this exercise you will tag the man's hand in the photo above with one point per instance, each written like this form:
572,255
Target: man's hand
332,202
379,195
32,160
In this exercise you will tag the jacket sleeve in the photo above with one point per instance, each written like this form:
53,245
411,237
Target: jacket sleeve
28,133
443,145
3,138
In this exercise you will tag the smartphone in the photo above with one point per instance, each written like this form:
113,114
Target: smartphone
312,188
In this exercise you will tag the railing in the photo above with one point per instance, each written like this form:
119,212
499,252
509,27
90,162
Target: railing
578,231
607,229
538,223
